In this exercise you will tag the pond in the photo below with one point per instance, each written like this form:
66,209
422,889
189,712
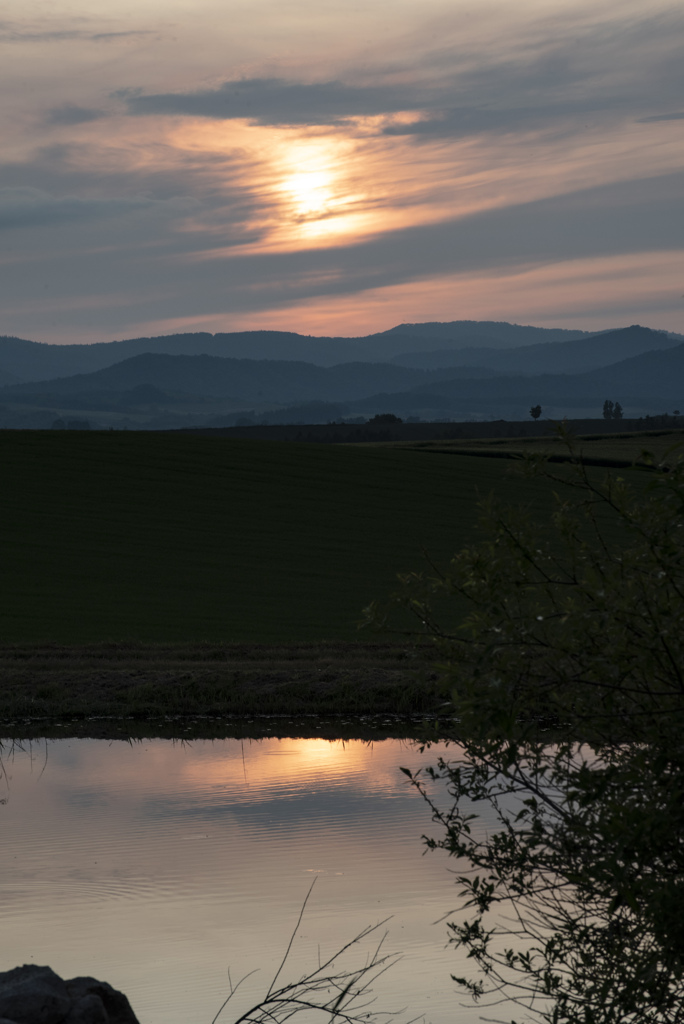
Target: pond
157,865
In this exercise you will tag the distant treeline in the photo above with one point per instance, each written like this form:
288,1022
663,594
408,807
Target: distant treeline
348,433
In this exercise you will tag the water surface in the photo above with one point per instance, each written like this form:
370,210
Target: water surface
157,865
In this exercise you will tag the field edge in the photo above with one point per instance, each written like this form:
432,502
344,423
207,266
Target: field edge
137,681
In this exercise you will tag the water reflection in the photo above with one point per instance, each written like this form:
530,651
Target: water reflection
156,865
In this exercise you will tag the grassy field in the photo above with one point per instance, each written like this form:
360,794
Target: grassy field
597,449
123,536
160,575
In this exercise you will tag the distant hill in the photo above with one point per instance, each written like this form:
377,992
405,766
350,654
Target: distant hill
652,374
237,379
29,360
574,356
495,333
160,389
156,377
7,378
653,378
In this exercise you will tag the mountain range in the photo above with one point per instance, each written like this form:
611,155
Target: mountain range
172,381
576,355
23,360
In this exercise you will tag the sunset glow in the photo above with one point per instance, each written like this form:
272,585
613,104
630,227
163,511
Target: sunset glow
225,167
255,769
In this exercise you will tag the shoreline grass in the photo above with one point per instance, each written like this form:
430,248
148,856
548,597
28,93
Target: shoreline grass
139,682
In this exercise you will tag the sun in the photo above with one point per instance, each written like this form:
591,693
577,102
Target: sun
308,178
310,193
316,200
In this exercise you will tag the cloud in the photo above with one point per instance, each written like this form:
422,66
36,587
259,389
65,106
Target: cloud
591,223
31,207
130,92
546,95
15,33
633,216
461,122
144,277
271,101
559,77
35,192
661,117
99,37
550,70
275,101
70,114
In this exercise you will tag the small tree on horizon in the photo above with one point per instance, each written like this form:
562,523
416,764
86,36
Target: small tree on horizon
535,412
617,411
607,410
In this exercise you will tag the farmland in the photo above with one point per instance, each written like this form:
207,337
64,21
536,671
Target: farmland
172,573
158,537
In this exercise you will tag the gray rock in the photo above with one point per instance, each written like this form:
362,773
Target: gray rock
116,1005
33,995
87,1010
36,995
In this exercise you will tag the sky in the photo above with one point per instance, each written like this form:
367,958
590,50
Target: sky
335,167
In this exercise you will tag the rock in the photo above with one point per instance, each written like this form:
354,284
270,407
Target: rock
116,1006
36,995
33,995
87,1010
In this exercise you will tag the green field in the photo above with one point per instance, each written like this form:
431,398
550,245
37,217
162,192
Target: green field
174,538
622,449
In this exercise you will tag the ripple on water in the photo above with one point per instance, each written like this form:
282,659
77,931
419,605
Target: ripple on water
157,865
